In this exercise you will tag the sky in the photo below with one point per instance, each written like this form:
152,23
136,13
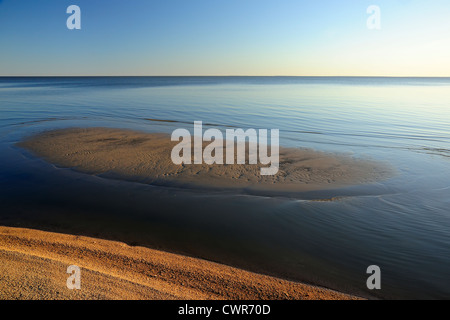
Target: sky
225,37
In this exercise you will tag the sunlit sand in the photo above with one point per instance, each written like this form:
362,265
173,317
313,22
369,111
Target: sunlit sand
33,265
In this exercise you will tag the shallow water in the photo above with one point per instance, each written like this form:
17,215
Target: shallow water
401,224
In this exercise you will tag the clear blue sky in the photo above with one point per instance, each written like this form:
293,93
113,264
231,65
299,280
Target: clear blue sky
225,37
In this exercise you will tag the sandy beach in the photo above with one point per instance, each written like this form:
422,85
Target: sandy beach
145,157
33,265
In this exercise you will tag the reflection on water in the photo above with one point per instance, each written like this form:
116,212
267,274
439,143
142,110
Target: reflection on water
402,224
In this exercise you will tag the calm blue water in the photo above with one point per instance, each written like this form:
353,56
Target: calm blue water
401,224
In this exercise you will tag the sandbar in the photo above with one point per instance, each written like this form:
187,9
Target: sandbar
146,157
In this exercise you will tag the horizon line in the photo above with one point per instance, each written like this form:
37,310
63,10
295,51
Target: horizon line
210,76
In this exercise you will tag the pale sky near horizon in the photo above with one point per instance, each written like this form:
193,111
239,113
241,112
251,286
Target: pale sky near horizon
233,37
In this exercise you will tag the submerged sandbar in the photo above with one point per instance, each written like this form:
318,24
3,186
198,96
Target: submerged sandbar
146,157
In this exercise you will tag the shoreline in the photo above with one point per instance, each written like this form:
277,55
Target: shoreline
33,265
116,153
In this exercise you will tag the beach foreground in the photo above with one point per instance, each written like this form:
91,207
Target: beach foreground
146,157
33,265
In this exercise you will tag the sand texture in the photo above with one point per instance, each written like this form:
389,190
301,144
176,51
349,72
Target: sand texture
33,265
144,157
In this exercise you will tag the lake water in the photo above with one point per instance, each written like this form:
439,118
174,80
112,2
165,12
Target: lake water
401,224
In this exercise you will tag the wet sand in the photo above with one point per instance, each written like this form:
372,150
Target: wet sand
33,265
145,157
